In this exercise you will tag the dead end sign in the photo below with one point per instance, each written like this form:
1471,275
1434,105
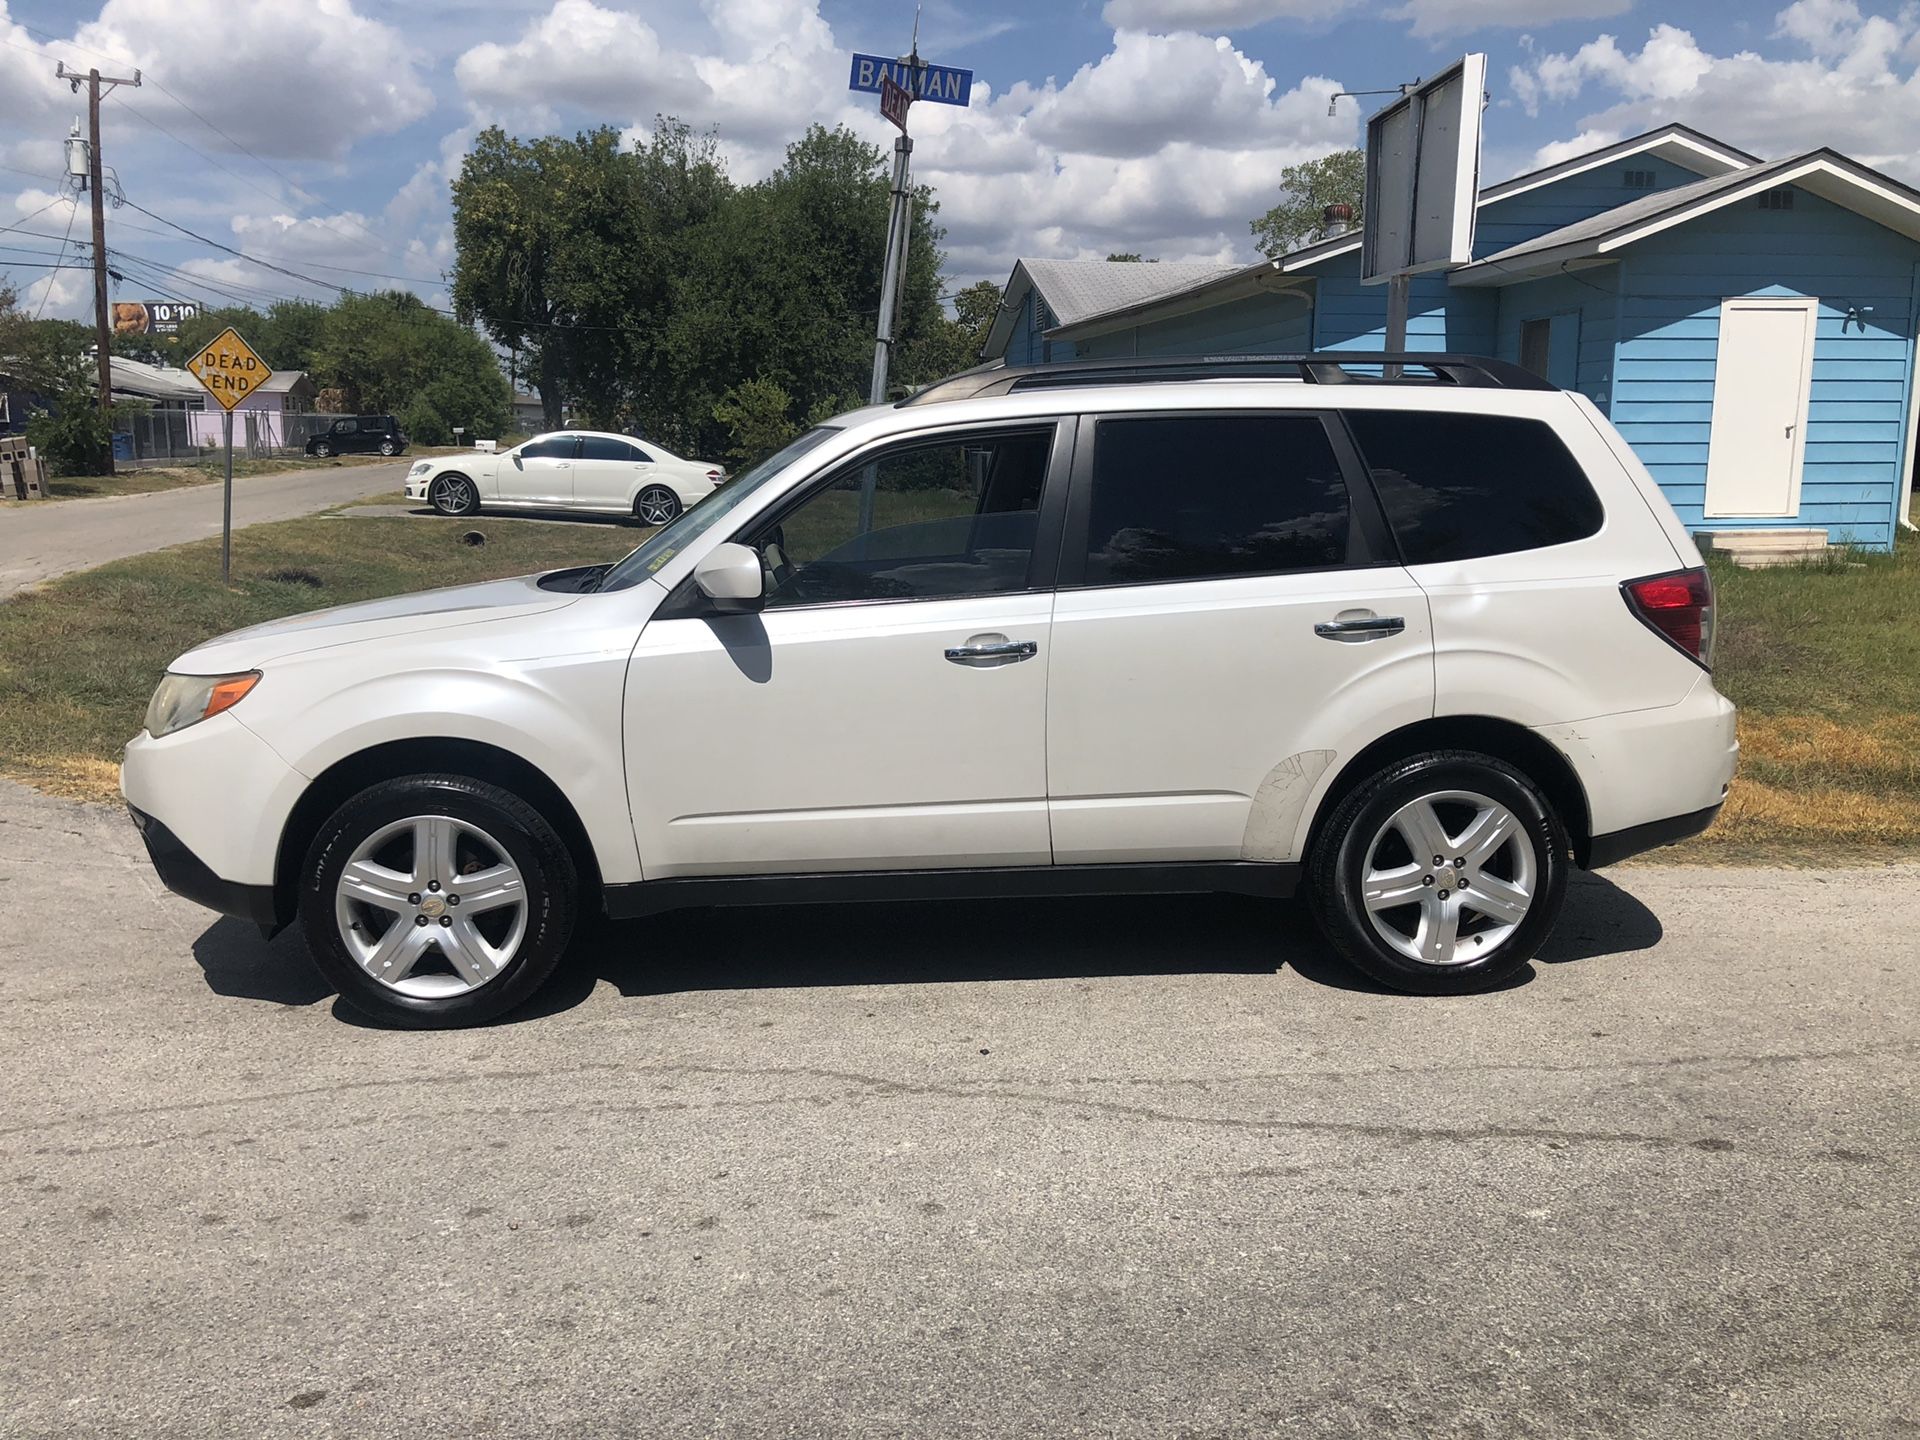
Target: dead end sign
229,368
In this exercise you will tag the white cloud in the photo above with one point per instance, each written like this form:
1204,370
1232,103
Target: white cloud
1855,89
1442,17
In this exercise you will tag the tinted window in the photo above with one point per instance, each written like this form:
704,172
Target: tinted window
1459,486
345,427
1192,497
605,447
956,517
554,447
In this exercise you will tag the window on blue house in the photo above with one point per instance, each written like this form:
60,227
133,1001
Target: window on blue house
1638,180
1781,199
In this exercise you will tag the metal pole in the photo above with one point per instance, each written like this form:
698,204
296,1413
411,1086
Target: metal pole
226,515
1397,297
890,279
102,332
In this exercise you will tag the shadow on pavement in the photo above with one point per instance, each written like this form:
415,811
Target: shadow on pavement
934,942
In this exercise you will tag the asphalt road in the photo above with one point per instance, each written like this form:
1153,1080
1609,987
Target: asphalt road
1142,1168
55,537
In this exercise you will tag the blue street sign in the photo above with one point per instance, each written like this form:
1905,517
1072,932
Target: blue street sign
941,83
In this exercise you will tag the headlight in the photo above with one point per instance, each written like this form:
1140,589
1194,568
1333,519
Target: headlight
183,700
420,467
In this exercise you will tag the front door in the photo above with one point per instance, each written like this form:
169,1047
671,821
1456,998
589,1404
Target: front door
887,710
1762,380
540,472
1228,620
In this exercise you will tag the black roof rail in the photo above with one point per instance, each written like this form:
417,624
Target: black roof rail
1335,368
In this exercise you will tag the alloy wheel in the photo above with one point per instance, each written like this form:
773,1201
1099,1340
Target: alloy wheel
656,505
1449,877
431,906
454,495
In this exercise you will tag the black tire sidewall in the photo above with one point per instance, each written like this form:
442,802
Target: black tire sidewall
387,447
323,452
673,499
1340,857
545,866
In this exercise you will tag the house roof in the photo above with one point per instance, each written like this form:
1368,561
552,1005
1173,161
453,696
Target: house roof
136,377
1079,290
1681,144
281,381
1825,173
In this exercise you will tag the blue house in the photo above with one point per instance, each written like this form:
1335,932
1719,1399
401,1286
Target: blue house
1749,326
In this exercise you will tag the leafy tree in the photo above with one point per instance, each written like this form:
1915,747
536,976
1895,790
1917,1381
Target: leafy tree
389,353
1307,189
54,358
757,414
284,335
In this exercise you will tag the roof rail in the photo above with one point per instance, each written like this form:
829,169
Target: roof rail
1338,368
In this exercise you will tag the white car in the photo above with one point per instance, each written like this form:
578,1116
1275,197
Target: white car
568,470
1416,646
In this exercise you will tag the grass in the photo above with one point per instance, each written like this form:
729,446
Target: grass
1824,662
79,658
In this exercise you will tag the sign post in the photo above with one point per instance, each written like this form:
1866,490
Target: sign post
230,370
1423,186
899,83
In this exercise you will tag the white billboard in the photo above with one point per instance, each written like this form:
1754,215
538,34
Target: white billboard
1423,175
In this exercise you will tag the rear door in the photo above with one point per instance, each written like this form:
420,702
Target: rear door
1229,620
607,472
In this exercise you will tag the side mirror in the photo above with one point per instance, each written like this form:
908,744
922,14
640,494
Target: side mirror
732,577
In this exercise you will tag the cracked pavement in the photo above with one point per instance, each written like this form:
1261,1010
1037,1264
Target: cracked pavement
1107,1168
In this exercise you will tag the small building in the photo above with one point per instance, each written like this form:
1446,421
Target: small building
261,420
1749,326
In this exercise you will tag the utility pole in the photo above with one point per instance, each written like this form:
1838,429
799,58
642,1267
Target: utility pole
103,332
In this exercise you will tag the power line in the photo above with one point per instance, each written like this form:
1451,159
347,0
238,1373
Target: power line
40,309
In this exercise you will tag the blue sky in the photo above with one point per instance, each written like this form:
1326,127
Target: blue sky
319,135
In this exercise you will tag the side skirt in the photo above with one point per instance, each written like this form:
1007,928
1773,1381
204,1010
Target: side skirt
1237,877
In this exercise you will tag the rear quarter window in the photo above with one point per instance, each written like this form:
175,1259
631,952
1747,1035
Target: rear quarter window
1457,487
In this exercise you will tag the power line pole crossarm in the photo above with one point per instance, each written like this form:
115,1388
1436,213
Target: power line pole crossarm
103,332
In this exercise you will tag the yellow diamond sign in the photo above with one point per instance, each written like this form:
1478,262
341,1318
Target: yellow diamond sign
229,369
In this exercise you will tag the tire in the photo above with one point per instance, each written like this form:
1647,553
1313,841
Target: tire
466,967
387,447
454,495
655,505
323,450
1369,839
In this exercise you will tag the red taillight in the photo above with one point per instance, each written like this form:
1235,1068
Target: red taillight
1679,607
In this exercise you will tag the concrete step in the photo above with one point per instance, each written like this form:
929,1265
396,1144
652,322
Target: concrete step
1755,548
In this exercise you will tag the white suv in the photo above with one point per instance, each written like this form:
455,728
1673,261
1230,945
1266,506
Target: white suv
1414,644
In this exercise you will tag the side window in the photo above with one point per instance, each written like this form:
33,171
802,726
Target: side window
1460,486
345,427
1198,497
945,518
605,447
554,447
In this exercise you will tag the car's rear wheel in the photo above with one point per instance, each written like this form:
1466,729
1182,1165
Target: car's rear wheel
1441,874
322,449
436,901
454,495
655,505
387,447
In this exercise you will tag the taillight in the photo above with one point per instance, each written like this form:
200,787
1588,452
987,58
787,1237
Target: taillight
1679,608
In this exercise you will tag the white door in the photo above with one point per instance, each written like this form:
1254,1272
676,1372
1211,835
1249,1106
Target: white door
887,710
1762,378
607,472
1220,636
539,472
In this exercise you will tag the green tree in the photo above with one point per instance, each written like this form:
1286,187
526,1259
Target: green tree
54,358
389,353
1307,189
758,416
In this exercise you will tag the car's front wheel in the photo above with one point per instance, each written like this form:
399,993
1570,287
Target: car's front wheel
436,901
655,505
1441,874
454,495
322,449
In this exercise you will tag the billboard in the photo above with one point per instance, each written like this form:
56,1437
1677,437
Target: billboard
1423,175
152,317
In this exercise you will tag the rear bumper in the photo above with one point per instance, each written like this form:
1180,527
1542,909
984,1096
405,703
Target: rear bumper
187,875
1612,848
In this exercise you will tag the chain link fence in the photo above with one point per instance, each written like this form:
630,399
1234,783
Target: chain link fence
187,437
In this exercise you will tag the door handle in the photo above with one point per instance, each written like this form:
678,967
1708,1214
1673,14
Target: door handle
1374,627
988,651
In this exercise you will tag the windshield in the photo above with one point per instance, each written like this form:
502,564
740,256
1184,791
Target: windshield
675,536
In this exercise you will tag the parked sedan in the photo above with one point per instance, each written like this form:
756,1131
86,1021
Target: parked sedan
568,470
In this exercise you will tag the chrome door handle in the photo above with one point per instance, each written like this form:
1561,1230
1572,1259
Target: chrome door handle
1376,627
986,651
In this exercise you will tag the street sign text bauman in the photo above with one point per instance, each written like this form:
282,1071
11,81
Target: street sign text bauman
940,83
229,369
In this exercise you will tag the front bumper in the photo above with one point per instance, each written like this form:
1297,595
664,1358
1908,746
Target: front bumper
187,875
